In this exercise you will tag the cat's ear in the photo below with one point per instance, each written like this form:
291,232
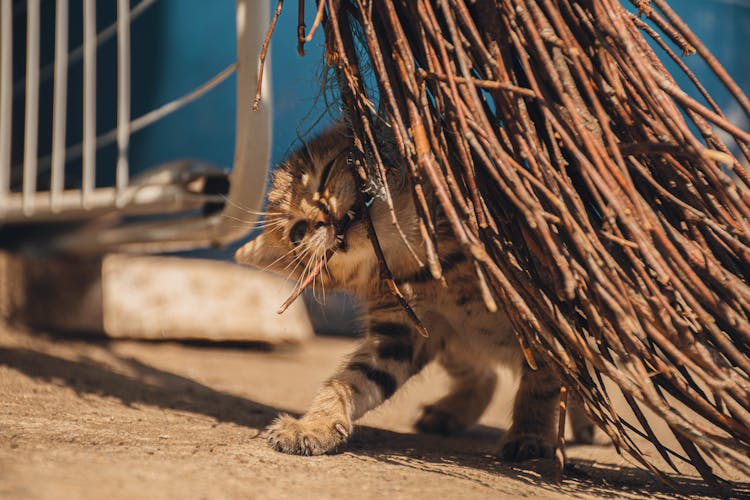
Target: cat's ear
259,253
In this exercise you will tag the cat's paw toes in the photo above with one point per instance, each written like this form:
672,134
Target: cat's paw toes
306,437
437,421
520,447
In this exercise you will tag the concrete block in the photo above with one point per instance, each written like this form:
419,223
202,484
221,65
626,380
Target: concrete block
168,297
148,297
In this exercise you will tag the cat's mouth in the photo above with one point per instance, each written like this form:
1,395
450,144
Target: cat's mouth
342,227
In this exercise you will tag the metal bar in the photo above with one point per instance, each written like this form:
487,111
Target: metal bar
76,151
252,148
89,100
31,131
172,187
6,95
141,201
123,95
76,54
57,181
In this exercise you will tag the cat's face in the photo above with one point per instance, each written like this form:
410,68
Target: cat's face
312,211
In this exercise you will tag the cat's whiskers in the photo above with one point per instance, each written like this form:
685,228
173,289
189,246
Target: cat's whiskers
248,210
303,275
273,219
308,268
315,277
297,261
312,248
320,251
325,264
322,281
271,224
239,224
267,223
328,272
281,258
237,219
305,248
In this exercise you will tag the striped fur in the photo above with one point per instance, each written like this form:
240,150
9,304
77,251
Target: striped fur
314,194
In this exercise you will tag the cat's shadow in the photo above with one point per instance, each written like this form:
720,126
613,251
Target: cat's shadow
474,449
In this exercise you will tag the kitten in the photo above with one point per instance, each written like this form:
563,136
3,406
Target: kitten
313,208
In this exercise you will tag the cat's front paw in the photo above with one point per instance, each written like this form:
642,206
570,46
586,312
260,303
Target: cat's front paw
313,436
525,446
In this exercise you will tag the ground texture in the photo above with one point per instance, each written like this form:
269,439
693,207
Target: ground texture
81,419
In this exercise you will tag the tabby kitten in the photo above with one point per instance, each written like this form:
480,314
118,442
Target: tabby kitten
313,208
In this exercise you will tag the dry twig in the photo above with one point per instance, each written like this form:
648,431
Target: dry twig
563,155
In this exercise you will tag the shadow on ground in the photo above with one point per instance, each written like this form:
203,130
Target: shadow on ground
154,387
420,451
151,386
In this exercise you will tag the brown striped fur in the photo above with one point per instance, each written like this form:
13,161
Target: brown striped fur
312,196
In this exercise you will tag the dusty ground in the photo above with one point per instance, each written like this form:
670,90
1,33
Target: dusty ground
164,420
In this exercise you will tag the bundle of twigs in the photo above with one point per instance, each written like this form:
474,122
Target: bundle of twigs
604,212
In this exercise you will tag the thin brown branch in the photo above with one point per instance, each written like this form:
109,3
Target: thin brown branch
264,53
554,143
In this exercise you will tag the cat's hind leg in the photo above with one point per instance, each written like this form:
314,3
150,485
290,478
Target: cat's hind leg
388,357
533,433
584,429
472,386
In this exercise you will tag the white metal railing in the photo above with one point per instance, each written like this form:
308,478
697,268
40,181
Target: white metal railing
123,96
89,101
31,132
59,99
28,204
75,55
6,94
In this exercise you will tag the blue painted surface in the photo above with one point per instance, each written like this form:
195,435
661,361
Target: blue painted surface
724,27
299,103
178,45
185,42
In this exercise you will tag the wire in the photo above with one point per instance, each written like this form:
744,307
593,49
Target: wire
143,121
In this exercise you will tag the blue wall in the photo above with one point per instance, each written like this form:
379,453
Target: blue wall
194,39
724,27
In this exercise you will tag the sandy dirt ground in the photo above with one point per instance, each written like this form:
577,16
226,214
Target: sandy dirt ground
124,419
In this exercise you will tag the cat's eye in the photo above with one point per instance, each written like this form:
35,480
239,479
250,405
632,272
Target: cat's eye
299,229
